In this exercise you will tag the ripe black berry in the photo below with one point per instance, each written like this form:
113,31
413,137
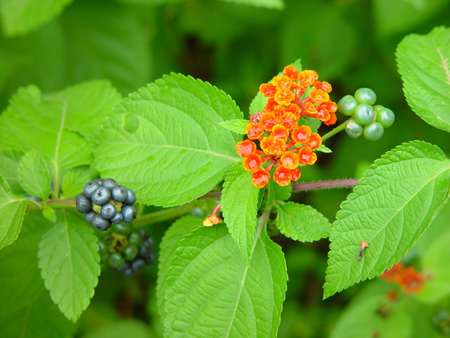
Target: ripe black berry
105,203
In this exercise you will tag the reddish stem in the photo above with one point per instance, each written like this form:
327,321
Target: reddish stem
290,144
270,166
267,158
305,100
260,152
346,183
216,210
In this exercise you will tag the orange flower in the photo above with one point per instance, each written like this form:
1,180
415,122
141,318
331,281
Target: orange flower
301,134
245,147
290,160
307,77
282,82
291,72
295,174
314,141
284,97
318,96
306,156
254,131
252,162
260,178
267,89
268,121
282,176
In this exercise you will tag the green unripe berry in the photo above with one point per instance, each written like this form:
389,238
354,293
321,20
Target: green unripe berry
135,238
365,95
364,114
115,260
353,129
131,252
386,117
378,107
122,228
347,105
374,131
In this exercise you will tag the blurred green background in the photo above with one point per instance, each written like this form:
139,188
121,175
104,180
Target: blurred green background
236,46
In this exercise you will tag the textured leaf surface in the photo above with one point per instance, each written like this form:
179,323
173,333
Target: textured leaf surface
302,222
272,4
12,210
119,54
236,126
168,246
33,175
69,263
22,16
424,63
27,310
75,179
8,170
239,206
277,192
211,291
165,141
39,122
391,207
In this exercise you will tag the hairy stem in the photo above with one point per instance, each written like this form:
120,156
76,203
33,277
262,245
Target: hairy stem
334,131
165,214
345,183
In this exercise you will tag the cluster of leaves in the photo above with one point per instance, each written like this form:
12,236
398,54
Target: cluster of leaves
170,135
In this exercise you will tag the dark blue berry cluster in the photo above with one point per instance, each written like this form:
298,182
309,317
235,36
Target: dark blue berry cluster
105,202
125,249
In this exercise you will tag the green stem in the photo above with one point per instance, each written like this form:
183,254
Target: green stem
165,215
334,131
38,207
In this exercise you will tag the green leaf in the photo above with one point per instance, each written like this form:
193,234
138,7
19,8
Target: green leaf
22,16
302,222
33,175
12,210
8,170
87,106
272,4
391,207
169,243
424,63
277,192
363,316
178,151
38,122
211,291
75,179
27,310
324,149
239,207
436,264
120,53
69,263
49,214
236,126
259,101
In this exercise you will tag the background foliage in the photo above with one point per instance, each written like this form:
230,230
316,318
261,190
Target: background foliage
235,45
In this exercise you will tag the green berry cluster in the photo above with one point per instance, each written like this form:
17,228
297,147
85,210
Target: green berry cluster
367,119
126,249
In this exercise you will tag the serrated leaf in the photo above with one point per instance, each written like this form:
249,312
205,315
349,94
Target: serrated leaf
12,210
8,170
391,207
75,179
27,310
302,222
69,263
33,175
324,149
38,122
169,243
236,126
88,104
120,54
178,151
211,291
272,4
239,207
424,63
259,101
22,16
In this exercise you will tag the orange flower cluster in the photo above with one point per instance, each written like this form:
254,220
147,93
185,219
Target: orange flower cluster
284,141
409,280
